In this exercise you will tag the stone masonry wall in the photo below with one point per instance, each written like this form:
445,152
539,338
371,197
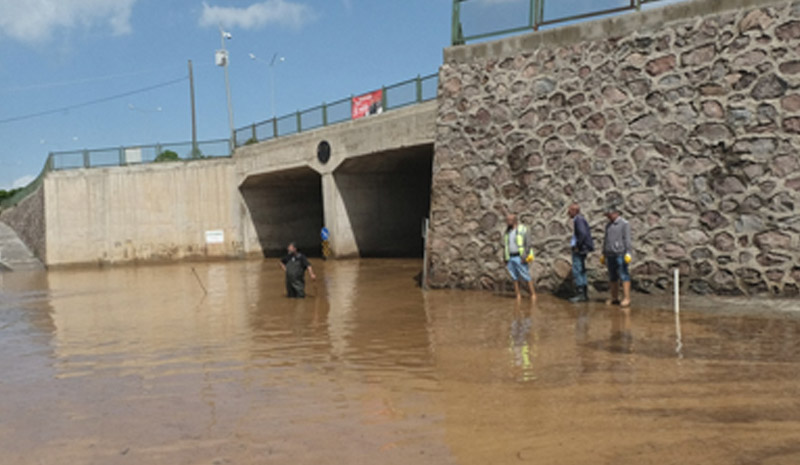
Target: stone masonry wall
694,125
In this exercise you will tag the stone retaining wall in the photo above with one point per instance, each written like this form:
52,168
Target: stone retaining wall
694,125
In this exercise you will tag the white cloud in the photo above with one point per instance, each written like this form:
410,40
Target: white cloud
35,21
282,12
23,181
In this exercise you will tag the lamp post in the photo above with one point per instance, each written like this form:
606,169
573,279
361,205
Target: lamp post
272,63
222,60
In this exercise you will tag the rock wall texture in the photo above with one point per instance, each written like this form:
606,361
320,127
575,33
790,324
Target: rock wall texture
27,220
693,125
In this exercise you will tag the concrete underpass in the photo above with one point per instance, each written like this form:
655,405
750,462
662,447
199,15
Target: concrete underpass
286,206
386,197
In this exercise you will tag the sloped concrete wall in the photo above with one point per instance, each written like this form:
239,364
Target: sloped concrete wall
27,220
688,115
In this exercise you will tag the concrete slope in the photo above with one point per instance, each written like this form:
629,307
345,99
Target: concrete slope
14,254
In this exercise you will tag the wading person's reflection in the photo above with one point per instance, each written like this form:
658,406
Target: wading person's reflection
521,348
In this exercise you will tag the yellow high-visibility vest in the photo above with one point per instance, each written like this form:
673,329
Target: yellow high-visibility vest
521,232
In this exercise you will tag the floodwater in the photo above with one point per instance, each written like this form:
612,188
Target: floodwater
137,366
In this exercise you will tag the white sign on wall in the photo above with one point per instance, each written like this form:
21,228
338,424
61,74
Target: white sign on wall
215,237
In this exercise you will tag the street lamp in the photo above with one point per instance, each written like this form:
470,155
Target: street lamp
223,60
275,61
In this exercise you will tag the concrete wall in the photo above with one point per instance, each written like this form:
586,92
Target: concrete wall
142,213
27,220
385,200
689,115
286,206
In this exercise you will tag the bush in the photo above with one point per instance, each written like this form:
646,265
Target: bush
197,153
7,194
167,155
251,141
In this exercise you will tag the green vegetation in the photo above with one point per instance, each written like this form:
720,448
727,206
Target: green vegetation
197,153
251,141
167,155
7,194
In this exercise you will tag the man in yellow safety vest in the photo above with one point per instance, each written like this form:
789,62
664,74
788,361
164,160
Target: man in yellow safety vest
518,254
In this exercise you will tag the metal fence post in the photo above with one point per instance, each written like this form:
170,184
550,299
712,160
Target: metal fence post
87,162
384,99
50,164
419,88
457,37
532,15
324,114
274,127
122,156
299,122
158,145
255,138
637,4
541,12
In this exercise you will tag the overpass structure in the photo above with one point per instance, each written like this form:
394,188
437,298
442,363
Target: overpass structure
367,180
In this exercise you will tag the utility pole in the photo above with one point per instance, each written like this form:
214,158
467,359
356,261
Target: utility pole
223,60
195,152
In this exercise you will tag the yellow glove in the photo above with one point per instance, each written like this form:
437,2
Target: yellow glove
602,259
529,258
628,258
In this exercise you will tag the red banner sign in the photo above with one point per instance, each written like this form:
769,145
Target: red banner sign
368,104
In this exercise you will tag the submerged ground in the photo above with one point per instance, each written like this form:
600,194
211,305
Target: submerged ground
137,365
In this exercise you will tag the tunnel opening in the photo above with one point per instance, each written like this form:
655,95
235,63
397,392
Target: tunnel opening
387,196
286,206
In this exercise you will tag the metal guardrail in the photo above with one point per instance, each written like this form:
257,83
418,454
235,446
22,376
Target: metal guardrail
481,19
122,156
138,154
410,92
417,90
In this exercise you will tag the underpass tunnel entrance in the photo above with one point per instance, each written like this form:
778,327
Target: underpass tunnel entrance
286,206
387,196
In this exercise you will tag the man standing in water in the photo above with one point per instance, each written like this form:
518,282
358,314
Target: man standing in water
295,265
617,252
518,254
581,244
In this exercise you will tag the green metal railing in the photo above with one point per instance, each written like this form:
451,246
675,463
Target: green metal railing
135,155
120,156
481,19
416,90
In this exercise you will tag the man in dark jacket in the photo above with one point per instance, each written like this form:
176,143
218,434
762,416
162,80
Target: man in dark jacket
582,244
295,265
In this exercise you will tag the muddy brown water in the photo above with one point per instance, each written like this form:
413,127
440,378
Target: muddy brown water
135,365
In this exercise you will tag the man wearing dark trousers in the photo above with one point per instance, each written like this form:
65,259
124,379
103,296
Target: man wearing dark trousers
295,265
582,244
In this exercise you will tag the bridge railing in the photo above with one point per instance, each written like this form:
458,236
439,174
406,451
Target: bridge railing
417,90
137,154
481,19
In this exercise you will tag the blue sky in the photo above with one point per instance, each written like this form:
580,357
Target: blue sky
58,53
